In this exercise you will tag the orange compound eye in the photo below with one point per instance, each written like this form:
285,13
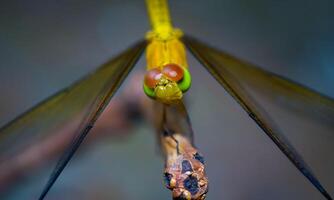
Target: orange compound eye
152,77
173,71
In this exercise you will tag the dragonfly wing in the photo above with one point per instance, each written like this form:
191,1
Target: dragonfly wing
240,79
73,110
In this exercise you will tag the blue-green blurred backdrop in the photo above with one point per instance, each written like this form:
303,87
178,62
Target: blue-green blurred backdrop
46,45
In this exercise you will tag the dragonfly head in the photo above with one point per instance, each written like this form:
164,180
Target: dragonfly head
185,175
167,85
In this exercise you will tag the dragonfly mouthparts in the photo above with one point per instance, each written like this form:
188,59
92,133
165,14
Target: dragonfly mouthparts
167,91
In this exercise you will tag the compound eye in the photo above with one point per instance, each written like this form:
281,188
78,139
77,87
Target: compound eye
173,71
152,77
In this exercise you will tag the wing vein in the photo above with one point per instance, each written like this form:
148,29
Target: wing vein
254,110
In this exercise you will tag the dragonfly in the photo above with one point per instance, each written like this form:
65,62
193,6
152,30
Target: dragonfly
166,81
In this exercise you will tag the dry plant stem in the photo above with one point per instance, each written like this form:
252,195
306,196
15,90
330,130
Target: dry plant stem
184,169
184,166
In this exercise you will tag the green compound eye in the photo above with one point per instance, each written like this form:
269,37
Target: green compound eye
149,91
185,83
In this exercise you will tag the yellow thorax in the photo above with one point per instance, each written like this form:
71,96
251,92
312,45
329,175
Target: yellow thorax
164,51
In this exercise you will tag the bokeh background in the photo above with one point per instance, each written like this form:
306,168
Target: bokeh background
46,45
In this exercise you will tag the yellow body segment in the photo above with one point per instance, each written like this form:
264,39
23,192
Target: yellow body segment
160,52
164,41
159,17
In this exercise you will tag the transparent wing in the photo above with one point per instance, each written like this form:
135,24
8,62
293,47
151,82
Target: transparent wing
73,110
244,81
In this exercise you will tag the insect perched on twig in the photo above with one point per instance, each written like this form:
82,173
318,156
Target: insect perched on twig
166,81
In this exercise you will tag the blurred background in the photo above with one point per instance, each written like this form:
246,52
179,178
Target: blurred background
46,45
